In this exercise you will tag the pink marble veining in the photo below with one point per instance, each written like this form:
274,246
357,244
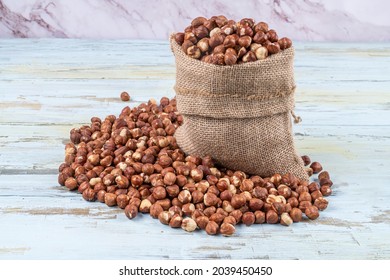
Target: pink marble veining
304,20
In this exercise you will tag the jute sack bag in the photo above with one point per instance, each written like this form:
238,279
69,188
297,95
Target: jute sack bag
240,114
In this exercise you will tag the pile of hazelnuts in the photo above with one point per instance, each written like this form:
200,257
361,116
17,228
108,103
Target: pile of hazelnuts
221,41
133,162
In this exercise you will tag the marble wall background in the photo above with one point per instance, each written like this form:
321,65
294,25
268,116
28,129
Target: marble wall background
304,20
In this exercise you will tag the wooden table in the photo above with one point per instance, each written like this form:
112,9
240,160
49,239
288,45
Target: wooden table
49,86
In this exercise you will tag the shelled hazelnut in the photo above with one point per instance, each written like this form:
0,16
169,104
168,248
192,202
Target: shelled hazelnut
221,41
132,161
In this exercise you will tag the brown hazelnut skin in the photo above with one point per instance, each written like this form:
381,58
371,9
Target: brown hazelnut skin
212,228
284,43
122,200
323,175
71,183
194,52
125,96
230,59
312,212
210,199
230,220
202,221
296,215
164,217
326,190
255,204
273,48
176,221
272,217
179,38
227,229
131,211
259,217
248,218
249,57
155,210
321,203
316,166
237,214
306,160
238,201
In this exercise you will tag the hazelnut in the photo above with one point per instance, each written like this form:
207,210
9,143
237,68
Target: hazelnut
209,211
248,218
179,38
238,200
249,57
296,215
175,221
326,182
272,36
194,52
198,21
316,194
212,228
304,204
164,217
155,210
71,183
122,182
188,224
122,200
197,196
271,217
259,192
203,45
201,32
125,96
261,26
230,59
173,191
89,194
217,217
131,211
145,206
196,174
230,220
326,190
245,41
259,217
316,166
312,212
255,204
323,175
278,207
226,206
313,186
285,219
188,209
284,43
202,221
210,199
261,53
219,49
165,203
293,201
186,44
321,203
227,229
237,214
304,196
184,196
306,160
215,39
273,48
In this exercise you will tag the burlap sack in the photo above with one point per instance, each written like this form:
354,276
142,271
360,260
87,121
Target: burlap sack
240,114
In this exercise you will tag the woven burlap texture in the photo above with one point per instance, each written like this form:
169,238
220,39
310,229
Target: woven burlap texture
239,115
